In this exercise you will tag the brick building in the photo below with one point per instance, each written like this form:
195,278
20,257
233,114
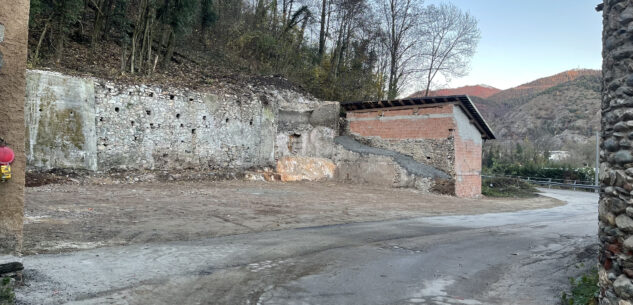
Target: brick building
445,132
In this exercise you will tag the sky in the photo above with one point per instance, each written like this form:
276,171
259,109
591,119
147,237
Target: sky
525,40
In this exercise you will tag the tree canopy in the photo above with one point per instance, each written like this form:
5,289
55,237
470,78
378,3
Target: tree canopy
335,49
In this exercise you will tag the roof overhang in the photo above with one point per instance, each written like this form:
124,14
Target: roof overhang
462,100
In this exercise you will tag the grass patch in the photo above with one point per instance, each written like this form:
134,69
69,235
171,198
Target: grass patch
7,297
507,187
584,290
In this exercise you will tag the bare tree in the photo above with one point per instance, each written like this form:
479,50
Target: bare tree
322,37
449,38
399,24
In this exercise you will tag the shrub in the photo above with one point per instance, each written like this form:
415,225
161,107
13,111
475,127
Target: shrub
533,170
507,187
584,290
7,297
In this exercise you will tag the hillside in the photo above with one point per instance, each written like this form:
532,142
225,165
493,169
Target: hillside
482,91
556,111
566,113
519,95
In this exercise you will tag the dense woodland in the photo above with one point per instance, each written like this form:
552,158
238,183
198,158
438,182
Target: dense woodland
335,49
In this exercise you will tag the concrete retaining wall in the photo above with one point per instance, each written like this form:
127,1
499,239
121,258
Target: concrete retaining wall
91,124
60,121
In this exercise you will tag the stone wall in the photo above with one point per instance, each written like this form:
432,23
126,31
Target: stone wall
151,128
360,163
616,162
91,124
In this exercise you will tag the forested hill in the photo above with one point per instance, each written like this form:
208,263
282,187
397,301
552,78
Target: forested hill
563,114
335,49
554,112
517,95
482,91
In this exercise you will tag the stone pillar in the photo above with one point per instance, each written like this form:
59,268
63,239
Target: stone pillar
14,18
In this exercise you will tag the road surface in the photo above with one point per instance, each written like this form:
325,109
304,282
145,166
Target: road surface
505,258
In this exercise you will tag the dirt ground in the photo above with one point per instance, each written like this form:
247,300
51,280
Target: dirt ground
67,217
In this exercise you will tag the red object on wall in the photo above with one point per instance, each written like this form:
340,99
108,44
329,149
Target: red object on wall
6,155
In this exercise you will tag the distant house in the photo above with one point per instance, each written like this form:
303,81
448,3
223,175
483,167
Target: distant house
445,132
558,155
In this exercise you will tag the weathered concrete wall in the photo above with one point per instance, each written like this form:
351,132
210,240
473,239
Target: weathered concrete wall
307,130
60,112
86,123
616,160
468,146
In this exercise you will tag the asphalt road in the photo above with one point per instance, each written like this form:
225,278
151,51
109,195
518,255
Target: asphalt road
505,258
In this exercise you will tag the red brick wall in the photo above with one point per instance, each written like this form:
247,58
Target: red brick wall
403,123
467,168
424,123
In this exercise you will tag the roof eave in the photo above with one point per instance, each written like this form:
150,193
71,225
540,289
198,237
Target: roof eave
464,100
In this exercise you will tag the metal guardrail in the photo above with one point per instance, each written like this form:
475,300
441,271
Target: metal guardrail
576,184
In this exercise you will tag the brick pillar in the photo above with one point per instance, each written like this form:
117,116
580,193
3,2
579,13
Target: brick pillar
616,158
14,18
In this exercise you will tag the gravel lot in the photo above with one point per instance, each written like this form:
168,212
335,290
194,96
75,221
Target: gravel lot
68,217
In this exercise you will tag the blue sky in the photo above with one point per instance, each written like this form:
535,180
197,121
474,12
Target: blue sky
525,40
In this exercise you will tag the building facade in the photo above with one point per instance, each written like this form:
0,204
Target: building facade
444,132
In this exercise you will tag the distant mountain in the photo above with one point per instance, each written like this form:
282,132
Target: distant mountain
518,95
555,111
482,91
566,113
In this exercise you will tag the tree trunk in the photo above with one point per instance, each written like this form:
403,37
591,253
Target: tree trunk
123,55
59,42
274,20
260,13
392,93
98,24
14,21
133,51
322,31
36,56
171,44
150,41
284,8
337,49
304,24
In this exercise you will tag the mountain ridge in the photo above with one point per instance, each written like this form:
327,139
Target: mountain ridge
557,110
480,90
